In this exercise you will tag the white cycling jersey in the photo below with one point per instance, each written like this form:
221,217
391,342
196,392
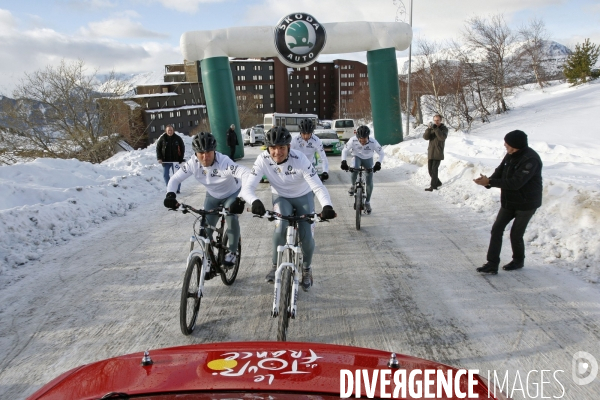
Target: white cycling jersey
221,179
293,178
364,152
310,147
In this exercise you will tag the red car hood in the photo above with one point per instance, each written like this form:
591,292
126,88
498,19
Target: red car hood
258,367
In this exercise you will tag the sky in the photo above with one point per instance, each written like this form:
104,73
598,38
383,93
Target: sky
48,202
135,36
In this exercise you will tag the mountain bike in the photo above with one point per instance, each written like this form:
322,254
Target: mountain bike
204,263
289,271
360,194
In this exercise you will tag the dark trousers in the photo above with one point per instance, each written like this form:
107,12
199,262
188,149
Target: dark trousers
521,219
433,166
232,152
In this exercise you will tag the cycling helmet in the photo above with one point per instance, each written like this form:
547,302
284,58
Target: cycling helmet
278,136
204,142
363,131
307,126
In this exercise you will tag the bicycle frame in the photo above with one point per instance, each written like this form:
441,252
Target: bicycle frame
291,238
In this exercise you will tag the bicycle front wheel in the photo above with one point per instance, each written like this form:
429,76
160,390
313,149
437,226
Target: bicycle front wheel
284,304
229,273
358,205
190,300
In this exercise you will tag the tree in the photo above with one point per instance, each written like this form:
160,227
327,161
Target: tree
59,112
535,37
359,105
249,108
579,66
495,42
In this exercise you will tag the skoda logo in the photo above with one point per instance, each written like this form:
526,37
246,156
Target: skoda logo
299,38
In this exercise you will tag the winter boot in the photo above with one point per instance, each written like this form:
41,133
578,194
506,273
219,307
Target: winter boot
351,190
514,264
307,279
488,268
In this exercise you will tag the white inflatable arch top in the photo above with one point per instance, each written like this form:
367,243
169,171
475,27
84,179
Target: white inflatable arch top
258,41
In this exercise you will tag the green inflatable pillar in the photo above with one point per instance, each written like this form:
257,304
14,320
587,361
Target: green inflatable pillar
220,102
385,95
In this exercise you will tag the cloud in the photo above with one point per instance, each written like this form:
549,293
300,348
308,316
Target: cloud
190,6
87,5
28,51
7,22
120,27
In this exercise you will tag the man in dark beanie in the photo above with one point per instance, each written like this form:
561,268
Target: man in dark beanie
519,178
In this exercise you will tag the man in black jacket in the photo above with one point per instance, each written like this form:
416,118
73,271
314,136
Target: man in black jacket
519,178
232,141
169,152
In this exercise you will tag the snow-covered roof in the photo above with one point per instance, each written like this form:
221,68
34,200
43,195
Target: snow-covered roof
175,108
137,96
132,104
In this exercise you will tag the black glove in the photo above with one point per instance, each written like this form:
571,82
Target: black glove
328,213
258,208
377,166
324,176
344,165
237,207
171,201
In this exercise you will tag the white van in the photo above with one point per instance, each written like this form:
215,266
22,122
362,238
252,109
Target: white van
345,128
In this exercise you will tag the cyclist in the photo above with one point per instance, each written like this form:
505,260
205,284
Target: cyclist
222,179
293,180
310,144
362,148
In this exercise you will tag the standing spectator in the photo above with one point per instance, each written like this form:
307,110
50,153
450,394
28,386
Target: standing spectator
519,178
169,151
232,141
436,133
252,134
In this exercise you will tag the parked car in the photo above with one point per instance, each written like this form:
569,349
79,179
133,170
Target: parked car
331,142
345,128
259,136
262,370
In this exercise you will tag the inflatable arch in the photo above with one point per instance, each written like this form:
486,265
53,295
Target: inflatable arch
297,40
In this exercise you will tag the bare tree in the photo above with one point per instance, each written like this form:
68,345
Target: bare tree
359,105
249,110
535,37
494,40
59,113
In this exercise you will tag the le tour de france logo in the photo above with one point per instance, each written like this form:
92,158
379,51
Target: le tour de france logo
299,38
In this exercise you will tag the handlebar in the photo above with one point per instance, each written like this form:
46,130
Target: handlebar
272,216
350,169
187,208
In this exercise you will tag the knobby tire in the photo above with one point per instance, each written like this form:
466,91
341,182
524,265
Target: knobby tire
190,302
358,201
284,301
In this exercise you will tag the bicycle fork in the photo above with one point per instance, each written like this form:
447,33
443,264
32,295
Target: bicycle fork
205,260
281,266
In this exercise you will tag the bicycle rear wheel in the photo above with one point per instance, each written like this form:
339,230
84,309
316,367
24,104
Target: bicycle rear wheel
284,304
358,205
228,274
190,301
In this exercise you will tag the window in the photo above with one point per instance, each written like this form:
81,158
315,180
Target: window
172,114
152,116
196,122
162,127
258,87
147,106
160,116
350,75
190,123
270,68
184,102
204,110
306,76
190,90
243,87
271,86
258,67
363,75
344,84
158,104
174,103
261,105
152,128
271,105
179,125
291,85
179,113
241,78
272,96
350,83
291,102
237,88
240,67
182,90
195,112
308,85
189,112
270,77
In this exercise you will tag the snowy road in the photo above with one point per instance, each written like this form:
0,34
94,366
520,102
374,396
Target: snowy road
405,282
